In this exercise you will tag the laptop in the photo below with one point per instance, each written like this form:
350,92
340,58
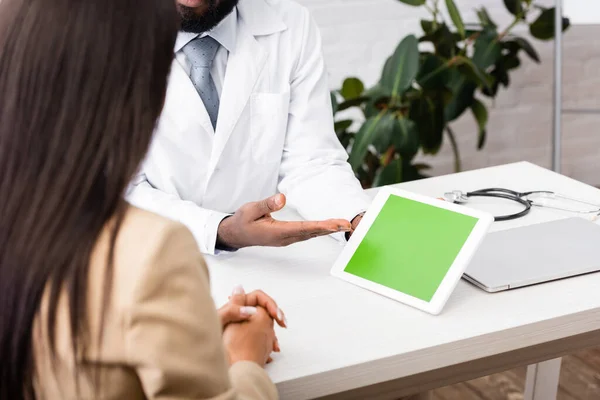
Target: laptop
535,254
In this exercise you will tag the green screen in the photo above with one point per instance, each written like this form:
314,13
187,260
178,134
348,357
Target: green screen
411,246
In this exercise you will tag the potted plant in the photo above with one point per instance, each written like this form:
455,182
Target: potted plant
430,81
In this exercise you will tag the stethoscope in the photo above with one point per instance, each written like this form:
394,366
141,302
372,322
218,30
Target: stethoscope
526,199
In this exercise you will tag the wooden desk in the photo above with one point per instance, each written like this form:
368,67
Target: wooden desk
346,341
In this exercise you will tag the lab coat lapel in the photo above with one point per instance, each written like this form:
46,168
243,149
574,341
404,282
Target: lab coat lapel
244,67
187,101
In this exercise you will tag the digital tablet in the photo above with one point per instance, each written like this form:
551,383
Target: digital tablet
412,248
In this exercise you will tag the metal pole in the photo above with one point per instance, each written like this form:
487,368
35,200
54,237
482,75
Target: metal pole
556,140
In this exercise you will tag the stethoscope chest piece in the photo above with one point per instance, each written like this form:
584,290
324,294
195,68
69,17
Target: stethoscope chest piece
456,196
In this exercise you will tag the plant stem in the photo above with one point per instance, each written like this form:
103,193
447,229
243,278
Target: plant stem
518,18
388,156
457,163
507,30
436,11
430,10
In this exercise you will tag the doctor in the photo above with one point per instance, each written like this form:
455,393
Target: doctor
247,115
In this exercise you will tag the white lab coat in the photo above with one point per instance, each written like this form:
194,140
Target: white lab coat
274,132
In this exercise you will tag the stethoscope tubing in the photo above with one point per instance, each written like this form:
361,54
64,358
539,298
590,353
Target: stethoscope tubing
508,195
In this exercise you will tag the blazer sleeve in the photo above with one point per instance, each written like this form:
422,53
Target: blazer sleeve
173,333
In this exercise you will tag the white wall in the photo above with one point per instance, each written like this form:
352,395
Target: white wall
359,34
583,11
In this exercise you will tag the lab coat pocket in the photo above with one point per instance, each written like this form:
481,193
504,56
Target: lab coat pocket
268,125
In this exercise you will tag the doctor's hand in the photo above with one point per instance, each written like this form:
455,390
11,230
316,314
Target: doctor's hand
355,223
252,225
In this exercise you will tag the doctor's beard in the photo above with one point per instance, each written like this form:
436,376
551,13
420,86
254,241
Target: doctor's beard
215,12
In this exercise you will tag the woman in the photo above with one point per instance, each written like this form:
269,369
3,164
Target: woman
98,299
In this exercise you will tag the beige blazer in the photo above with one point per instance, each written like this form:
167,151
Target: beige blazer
162,335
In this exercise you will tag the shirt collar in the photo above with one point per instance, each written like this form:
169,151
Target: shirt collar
225,33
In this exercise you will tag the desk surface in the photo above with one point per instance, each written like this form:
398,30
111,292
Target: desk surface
341,337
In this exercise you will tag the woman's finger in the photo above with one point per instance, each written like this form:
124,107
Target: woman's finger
238,296
231,313
259,298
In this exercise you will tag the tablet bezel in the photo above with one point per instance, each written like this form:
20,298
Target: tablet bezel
457,269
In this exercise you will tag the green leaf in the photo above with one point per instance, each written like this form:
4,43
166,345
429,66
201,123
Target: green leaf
390,174
402,68
428,114
456,18
427,26
422,166
433,73
462,100
384,133
406,138
515,7
481,116
377,91
514,44
447,95
352,88
485,18
334,103
472,71
386,74
511,61
475,31
411,172
414,3
464,92
375,106
377,96
364,177
543,27
345,139
342,126
443,40
492,91
528,48
487,50
502,76
363,139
